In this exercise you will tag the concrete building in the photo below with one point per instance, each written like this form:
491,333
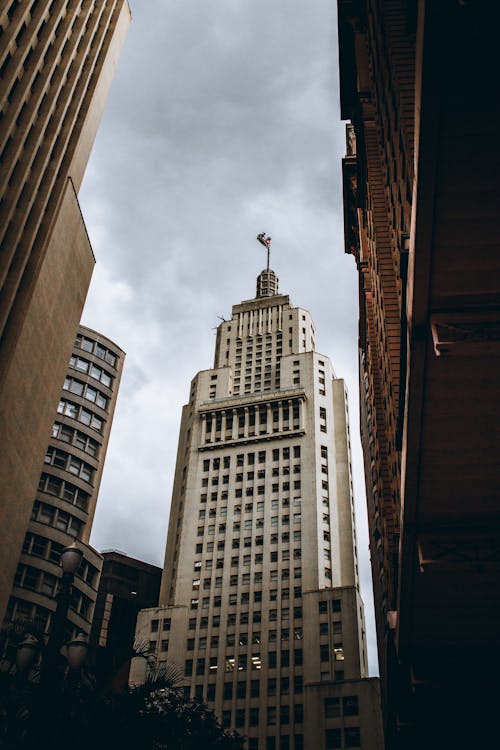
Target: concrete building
421,194
68,487
57,59
126,586
259,601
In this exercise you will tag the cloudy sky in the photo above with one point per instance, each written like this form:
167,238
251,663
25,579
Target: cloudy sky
223,121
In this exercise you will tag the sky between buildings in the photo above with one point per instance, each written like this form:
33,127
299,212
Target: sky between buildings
223,122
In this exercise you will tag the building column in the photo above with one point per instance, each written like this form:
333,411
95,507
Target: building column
203,428
246,428
223,427
212,431
234,433
280,416
269,419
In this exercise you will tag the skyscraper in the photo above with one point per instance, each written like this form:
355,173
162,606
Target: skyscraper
57,59
68,486
259,601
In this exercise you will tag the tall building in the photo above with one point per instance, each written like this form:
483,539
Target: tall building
259,602
68,486
57,59
421,193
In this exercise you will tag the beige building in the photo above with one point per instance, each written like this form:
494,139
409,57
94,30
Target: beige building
68,487
259,602
57,60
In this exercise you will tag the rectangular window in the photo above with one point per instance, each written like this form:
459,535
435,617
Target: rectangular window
352,737
333,739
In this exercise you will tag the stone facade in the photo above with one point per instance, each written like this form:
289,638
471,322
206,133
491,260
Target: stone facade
259,602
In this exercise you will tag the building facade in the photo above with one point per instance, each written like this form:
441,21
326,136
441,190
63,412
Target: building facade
259,602
57,59
421,196
68,486
126,586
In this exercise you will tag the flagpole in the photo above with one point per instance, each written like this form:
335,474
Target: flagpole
268,251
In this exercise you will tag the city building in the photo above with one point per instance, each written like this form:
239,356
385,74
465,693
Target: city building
68,486
57,59
259,602
126,586
421,205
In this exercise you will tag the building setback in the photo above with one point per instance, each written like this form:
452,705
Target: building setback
421,204
68,486
259,601
57,59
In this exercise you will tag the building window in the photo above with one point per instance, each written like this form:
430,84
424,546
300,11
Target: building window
350,705
352,737
333,739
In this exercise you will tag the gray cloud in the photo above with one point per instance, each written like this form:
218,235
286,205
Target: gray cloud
223,121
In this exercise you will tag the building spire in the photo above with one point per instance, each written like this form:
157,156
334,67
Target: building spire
267,281
266,241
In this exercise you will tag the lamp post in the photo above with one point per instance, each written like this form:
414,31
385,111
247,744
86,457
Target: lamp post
71,558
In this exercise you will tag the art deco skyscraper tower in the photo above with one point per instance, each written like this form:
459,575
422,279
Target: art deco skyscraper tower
57,59
259,603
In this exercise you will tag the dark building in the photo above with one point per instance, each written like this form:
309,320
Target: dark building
127,585
57,59
421,192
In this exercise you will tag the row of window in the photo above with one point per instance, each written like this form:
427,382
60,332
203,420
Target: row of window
247,525
34,579
244,617
245,579
280,743
336,707
251,458
340,738
61,488
257,595
241,717
75,411
47,549
94,347
249,507
250,475
246,559
242,662
68,462
286,554
88,368
244,639
85,391
56,518
250,491
76,438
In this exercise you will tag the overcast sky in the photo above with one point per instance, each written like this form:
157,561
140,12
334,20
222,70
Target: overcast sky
223,121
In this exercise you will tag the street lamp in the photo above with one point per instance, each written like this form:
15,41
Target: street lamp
26,653
71,558
76,652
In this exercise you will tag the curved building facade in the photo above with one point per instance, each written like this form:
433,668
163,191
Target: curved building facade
64,505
